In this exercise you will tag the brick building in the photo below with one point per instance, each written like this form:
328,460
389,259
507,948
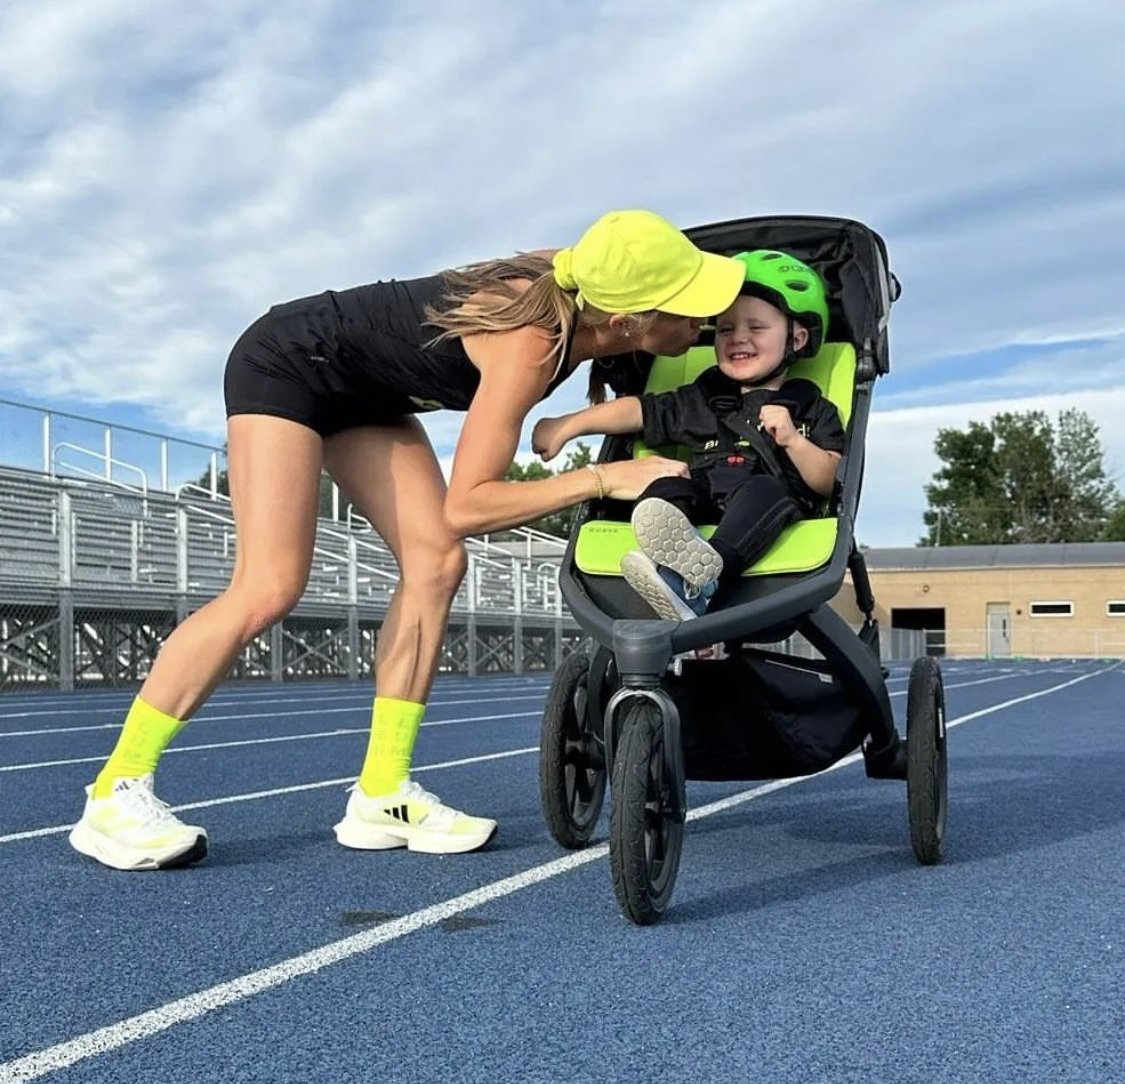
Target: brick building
1057,600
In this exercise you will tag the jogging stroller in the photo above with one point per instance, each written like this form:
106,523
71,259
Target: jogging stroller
639,706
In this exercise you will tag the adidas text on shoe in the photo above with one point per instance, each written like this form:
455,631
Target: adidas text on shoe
132,829
664,590
413,818
666,535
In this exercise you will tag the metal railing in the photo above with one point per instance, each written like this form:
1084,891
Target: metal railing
1028,641
34,436
56,532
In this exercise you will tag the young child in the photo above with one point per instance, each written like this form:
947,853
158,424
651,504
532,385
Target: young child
764,449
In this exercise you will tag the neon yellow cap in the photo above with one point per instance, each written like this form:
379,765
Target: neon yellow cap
632,261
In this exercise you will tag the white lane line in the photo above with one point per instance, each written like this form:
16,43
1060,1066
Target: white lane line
359,702
340,731
76,702
58,829
335,711
980,681
265,741
193,1006
311,689
352,709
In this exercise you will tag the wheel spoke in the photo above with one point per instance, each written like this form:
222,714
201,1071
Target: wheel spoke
583,786
579,701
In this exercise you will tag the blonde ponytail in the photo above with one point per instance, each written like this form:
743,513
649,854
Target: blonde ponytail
481,297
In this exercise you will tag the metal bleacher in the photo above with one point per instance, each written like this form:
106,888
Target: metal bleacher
97,565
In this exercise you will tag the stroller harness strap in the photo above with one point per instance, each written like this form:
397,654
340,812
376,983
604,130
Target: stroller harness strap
806,545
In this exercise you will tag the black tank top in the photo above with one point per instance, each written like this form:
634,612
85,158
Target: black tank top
376,339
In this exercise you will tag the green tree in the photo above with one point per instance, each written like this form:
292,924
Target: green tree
1115,525
965,493
1019,479
1083,508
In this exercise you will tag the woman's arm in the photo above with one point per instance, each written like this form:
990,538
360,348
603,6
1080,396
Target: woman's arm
514,376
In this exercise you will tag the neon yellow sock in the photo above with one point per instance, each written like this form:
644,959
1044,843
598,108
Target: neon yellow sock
144,737
394,728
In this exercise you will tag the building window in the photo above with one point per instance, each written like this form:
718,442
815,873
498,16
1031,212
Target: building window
1051,609
1115,608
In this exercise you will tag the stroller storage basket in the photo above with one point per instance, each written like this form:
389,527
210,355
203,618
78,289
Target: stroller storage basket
762,717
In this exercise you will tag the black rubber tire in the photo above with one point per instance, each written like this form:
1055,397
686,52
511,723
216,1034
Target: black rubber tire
927,768
572,775
645,838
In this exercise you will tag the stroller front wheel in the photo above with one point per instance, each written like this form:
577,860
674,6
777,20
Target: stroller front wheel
572,774
927,773
645,832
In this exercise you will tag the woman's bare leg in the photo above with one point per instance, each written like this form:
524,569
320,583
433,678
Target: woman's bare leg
274,469
274,475
392,474
393,477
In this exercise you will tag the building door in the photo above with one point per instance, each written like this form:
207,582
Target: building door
999,630
927,622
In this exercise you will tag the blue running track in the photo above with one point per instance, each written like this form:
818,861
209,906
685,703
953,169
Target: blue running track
803,943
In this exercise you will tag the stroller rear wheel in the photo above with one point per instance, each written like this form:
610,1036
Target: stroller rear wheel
572,774
645,832
926,761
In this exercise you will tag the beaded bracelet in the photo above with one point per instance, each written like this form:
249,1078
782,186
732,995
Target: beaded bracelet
598,478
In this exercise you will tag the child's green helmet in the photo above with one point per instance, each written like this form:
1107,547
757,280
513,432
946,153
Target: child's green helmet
792,286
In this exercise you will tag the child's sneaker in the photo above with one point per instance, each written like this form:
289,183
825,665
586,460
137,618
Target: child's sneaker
666,535
413,818
133,829
664,589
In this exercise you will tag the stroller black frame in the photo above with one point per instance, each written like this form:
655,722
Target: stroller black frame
613,714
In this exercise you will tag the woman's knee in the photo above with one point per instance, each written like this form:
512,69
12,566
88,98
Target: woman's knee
262,602
438,569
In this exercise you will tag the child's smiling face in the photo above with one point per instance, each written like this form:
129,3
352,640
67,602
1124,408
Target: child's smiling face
750,338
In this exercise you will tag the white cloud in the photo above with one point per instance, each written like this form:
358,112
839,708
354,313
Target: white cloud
167,172
1077,366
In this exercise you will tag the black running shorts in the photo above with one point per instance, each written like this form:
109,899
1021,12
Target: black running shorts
264,377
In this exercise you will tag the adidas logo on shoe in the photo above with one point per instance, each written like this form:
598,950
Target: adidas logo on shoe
413,818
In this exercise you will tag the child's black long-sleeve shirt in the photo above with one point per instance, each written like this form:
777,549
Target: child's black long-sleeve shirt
707,414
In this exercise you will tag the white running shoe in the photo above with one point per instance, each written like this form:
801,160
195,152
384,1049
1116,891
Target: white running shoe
133,829
666,535
413,818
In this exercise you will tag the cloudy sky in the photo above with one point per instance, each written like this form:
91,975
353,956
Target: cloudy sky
168,171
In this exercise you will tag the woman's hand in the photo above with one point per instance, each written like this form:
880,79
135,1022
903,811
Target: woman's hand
548,437
627,479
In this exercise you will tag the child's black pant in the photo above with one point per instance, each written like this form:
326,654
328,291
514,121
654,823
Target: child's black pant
750,515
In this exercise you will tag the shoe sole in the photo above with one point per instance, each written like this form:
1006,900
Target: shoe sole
667,536
94,844
360,836
641,575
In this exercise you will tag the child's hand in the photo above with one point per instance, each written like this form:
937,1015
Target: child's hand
777,421
548,438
